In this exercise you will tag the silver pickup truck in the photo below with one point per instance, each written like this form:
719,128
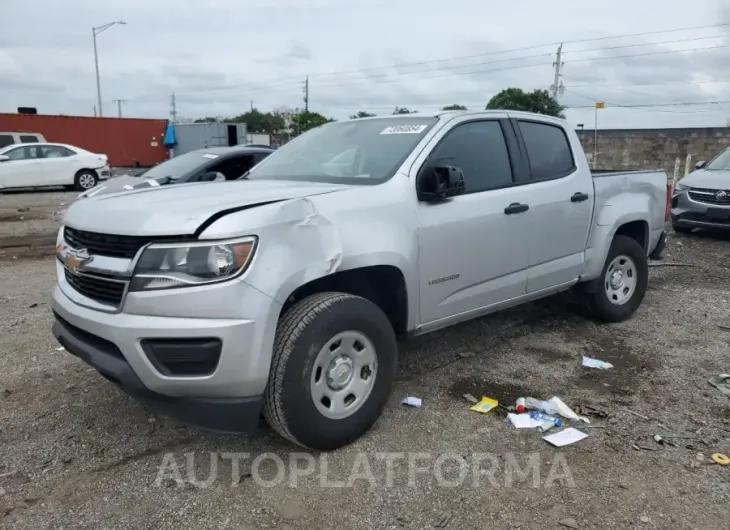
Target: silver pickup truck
286,291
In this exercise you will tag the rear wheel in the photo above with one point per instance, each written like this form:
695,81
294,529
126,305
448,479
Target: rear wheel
333,366
618,292
85,180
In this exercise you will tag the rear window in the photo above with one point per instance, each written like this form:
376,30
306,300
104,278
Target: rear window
6,140
548,150
28,139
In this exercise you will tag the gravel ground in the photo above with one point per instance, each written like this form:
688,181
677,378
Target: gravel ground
77,452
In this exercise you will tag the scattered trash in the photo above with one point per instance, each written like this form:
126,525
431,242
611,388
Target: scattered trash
412,401
520,405
644,447
31,306
60,348
569,522
466,354
722,383
590,410
485,405
547,422
644,518
523,421
471,399
721,459
554,407
724,328
565,437
595,363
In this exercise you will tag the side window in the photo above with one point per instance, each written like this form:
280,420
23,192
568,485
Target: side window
548,150
6,140
19,153
28,139
55,151
480,151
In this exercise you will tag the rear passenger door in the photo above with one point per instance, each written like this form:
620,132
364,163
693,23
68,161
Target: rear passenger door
561,201
473,248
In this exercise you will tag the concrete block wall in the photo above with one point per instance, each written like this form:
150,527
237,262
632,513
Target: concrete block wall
632,149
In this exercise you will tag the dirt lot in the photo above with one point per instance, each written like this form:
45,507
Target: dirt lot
76,452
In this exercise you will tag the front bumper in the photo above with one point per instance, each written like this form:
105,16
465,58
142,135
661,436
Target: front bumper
116,344
230,414
689,213
104,172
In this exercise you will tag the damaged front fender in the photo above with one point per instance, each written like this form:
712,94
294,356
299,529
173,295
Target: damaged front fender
297,244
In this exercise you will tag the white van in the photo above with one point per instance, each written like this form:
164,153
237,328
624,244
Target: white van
9,138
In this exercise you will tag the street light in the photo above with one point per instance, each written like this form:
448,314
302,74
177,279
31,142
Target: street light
95,32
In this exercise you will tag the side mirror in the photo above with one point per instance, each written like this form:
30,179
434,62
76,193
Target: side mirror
438,183
4,158
700,165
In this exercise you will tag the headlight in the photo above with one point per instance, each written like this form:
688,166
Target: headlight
170,265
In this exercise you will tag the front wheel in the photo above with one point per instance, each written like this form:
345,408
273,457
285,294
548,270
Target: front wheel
334,361
85,180
617,293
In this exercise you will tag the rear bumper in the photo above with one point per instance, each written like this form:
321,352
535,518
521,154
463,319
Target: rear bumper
226,414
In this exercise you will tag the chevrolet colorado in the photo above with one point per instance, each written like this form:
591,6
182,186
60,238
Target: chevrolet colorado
286,292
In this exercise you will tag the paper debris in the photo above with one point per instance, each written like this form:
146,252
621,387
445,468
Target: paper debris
565,437
595,363
60,348
412,401
485,405
470,398
523,421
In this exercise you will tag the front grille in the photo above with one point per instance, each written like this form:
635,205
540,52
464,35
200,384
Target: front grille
105,244
708,196
98,288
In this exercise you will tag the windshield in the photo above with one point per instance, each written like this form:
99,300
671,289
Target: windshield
180,165
720,162
351,152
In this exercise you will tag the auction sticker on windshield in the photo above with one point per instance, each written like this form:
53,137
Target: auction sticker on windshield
404,129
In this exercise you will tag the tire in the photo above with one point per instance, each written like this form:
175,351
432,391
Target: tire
290,406
616,305
85,180
681,229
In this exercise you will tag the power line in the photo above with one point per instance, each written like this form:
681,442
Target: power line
648,105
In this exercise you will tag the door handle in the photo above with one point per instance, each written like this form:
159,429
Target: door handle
516,207
579,197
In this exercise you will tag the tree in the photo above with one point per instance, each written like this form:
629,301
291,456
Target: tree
539,101
403,110
260,122
361,114
455,106
304,120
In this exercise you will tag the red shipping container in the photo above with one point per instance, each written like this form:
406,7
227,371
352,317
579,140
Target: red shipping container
126,141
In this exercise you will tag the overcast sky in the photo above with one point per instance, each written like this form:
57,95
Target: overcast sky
218,56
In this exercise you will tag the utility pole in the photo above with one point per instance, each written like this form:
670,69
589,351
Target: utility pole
94,32
119,105
94,111
557,88
306,94
173,109
251,105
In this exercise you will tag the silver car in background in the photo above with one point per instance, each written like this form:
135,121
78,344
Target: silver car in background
702,198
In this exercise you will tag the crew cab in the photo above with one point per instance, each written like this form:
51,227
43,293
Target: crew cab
288,290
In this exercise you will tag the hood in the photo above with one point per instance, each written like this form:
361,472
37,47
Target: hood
180,210
711,179
126,183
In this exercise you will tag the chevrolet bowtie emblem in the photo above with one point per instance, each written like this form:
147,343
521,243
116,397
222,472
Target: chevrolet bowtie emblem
74,260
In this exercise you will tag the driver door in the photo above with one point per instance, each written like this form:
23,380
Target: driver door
473,248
